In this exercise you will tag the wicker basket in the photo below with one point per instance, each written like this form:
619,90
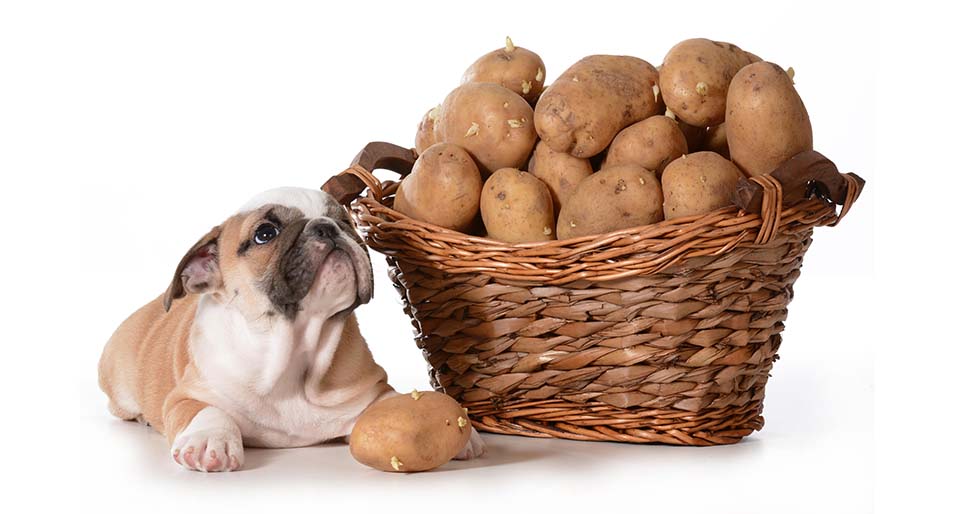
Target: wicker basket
663,333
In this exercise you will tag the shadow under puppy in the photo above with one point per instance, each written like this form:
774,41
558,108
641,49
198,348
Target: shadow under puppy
255,341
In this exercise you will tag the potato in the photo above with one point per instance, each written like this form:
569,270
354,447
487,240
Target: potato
410,432
652,144
443,188
491,122
715,140
516,207
695,77
698,183
426,134
514,68
582,111
559,171
612,199
766,122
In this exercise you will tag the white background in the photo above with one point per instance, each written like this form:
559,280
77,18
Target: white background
128,129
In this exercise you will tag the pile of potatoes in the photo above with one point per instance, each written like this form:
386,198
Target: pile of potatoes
613,143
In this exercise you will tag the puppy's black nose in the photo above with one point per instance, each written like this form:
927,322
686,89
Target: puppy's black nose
323,229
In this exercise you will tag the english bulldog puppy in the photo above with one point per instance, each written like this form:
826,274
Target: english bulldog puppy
255,341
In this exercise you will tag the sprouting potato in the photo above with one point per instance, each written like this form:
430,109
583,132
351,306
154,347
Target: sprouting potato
698,183
766,122
491,122
611,199
512,67
516,207
410,432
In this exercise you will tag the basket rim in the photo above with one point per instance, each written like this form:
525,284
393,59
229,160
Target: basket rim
725,217
809,183
637,251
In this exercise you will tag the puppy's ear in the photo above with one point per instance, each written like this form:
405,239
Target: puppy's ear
198,271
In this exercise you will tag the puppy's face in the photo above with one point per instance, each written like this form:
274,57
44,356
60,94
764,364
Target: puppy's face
288,252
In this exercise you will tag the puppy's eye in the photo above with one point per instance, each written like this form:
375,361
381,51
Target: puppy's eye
265,233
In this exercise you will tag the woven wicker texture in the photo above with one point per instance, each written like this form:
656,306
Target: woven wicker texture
663,333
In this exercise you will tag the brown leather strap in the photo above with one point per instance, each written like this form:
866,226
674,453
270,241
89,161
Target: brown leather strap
807,174
352,182
854,186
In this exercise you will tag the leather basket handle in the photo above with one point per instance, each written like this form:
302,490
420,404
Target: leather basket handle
352,182
806,175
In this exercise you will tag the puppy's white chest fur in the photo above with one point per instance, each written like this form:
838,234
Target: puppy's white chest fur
276,379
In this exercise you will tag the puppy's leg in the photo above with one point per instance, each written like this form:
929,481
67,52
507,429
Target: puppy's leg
475,447
203,437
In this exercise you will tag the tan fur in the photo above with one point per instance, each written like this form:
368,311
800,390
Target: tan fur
149,355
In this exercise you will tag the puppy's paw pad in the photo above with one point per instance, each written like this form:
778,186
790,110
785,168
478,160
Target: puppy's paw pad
189,457
211,461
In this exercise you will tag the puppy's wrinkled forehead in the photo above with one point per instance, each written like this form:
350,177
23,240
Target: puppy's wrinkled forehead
312,203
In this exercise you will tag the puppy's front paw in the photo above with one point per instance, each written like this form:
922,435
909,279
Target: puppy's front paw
211,442
210,450
475,447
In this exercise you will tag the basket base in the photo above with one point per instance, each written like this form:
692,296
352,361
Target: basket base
596,421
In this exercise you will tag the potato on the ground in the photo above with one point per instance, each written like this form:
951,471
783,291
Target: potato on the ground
513,67
582,111
410,432
559,171
652,143
695,77
614,198
491,122
426,133
698,183
766,122
443,188
516,207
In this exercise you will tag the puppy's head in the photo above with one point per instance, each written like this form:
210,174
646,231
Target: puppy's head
286,251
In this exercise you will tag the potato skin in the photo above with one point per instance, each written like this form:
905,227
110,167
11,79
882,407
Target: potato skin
491,122
559,171
614,198
421,433
426,134
516,207
766,121
695,77
514,68
583,109
698,183
652,144
443,188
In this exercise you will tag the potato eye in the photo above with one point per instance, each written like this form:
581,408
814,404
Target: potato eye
265,233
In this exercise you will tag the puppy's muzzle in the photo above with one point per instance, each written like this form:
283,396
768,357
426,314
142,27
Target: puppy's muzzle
332,234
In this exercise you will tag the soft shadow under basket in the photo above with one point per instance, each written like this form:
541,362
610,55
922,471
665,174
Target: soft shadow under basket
663,333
